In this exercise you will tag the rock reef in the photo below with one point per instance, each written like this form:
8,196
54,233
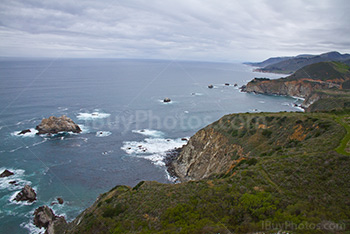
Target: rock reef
44,217
26,194
6,173
54,125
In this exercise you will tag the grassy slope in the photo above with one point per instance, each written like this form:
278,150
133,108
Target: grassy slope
293,175
323,71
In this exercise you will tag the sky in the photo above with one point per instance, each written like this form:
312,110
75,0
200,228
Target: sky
207,30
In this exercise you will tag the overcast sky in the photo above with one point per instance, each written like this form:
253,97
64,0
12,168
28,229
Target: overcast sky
210,30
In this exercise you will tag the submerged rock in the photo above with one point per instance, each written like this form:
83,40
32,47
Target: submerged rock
24,132
6,173
44,217
55,125
26,194
167,100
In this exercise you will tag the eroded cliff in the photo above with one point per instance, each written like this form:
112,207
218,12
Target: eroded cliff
208,152
254,168
304,83
243,138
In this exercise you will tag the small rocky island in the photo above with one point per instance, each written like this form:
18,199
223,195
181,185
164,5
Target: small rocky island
6,173
54,125
44,217
26,194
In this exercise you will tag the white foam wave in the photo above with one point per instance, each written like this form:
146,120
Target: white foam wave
32,133
149,132
197,94
262,102
18,176
21,203
62,108
92,116
103,133
11,151
166,103
31,227
153,149
300,108
299,98
83,128
39,143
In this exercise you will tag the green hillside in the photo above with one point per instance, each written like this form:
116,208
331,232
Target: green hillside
323,71
294,177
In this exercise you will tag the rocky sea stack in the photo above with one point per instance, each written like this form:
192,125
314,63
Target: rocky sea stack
6,173
54,125
44,217
26,194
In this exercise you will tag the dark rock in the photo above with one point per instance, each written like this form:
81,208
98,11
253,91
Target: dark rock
6,173
26,194
210,86
184,139
235,85
13,182
142,130
170,157
54,125
44,217
227,84
24,132
60,200
166,100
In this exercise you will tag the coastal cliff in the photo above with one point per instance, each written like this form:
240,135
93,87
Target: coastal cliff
238,173
304,83
207,153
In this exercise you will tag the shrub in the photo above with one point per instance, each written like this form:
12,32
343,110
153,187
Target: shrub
111,211
266,132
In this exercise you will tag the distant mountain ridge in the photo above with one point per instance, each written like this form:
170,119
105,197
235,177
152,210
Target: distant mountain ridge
287,65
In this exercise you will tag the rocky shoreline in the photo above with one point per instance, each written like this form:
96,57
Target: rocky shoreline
170,158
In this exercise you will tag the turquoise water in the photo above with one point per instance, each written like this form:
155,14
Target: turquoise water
118,104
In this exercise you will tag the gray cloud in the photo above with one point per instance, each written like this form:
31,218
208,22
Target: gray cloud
224,30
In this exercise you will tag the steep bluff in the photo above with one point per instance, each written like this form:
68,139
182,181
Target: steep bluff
207,153
251,169
304,82
240,139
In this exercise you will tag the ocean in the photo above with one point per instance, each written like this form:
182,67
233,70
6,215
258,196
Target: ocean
127,128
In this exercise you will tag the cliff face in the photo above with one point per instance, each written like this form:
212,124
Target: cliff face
208,152
262,167
297,88
304,83
221,147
